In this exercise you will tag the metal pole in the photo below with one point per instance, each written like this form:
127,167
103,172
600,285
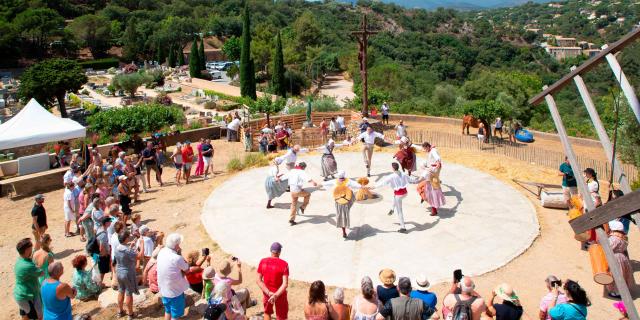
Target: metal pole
629,93
614,266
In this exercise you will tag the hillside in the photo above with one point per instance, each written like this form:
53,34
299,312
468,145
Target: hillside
456,4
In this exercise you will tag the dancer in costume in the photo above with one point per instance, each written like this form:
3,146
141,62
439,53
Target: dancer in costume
275,185
406,156
328,161
289,159
432,191
344,198
368,139
297,178
398,181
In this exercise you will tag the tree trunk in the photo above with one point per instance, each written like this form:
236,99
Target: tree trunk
268,120
61,105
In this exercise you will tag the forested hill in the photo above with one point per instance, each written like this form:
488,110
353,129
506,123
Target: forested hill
455,4
441,62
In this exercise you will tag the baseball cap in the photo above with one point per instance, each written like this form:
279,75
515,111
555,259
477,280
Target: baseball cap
276,247
105,220
39,196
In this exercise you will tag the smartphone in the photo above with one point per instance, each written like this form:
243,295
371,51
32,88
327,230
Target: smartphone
234,258
205,251
457,275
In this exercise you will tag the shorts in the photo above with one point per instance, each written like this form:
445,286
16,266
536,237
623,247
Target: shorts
186,167
178,166
32,309
174,306
385,117
104,264
207,161
69,215
480,137
282,306
567,192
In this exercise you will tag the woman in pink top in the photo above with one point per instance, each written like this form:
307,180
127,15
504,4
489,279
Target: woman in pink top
200,165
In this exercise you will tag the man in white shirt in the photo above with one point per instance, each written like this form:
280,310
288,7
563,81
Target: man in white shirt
342,129
69,208
368,139
385,113
232,130
171,280
297,178
398,181
401,130
289,159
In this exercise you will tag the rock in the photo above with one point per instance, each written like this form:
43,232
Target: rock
109,298
190,297
199,307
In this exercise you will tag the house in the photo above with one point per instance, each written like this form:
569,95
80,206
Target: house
565,42
555,5
591,52
561,53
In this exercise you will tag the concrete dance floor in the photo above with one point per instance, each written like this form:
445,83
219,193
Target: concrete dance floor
484,225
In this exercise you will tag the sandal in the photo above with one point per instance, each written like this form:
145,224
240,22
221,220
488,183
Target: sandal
121,314
132,316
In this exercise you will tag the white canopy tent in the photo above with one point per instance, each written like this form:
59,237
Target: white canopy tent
35,125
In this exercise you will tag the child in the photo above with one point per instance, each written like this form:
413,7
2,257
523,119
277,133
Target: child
207,282
135,226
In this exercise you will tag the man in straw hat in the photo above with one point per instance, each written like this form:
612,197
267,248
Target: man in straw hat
432,191
510,307
273,279
368,138
422,291
398,181
297,178
405,307
344,198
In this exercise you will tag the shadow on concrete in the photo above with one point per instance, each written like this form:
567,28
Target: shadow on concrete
421,227
364,231
318,219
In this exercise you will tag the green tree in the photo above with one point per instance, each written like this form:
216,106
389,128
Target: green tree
180,54
131,40
160,53
247,72
135,119
38,25
277,77
194,60
52,79
202,56
486,111
232,48
93,31
171,59
267,105
130,82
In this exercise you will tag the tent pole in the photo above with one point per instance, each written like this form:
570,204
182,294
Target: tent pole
614,266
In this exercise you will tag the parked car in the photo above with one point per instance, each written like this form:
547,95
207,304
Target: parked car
215,74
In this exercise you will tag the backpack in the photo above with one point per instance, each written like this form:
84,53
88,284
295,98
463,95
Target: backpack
462,309
93,247
215,312
342,194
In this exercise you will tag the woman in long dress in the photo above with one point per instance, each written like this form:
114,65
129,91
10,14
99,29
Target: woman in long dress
200,165
344,199
328,161
406,156
431,190
618,242
275,185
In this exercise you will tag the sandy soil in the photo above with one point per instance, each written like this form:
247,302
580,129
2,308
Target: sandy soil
177,209
338,87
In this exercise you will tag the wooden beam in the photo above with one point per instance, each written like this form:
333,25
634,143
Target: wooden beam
629,203
590,64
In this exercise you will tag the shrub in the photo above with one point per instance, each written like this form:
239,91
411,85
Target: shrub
163,98
209,105
195,125
235,165
135,119
255,159
100,64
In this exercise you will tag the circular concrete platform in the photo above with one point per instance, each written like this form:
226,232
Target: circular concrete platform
484,225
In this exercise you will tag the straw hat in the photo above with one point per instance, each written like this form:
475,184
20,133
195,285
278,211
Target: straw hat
505,292
423,282
224,268
387,276
208,273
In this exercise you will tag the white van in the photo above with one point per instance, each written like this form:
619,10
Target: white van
215,74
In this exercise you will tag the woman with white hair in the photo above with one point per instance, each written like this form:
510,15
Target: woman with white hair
344,198
618,242
328,161
342,310
56,296
366,306
177,161
171,280
233,310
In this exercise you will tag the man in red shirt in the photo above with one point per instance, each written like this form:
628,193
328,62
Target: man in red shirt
273,279
187,160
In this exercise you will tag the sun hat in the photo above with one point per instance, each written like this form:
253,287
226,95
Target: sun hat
387,276
122,177
422,281
616,225
224,268
276,247
506,292
208,273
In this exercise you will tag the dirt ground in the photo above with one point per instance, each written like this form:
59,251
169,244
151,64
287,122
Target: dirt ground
177,209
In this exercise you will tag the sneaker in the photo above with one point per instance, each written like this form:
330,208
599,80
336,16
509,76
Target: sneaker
614,295
402,230
368,175
390,212
293,223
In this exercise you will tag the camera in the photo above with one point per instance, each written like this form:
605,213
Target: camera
457,275
556,284
205,252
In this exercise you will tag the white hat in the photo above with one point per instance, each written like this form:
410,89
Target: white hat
422,281
122,177
341,174
330,142
616,225
404,139
143,229
365,119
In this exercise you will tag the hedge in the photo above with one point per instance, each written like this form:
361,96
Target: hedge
135,119
100,64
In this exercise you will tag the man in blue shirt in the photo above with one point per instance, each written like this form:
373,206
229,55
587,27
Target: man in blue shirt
364,125
422,292
569,184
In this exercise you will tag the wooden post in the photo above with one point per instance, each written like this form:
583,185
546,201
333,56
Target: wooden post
589,205
624,83
363,43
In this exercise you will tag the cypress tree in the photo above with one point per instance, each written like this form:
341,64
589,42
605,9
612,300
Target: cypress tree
247,74
180,54
171,60
202,56
194,60
277,76
160,54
